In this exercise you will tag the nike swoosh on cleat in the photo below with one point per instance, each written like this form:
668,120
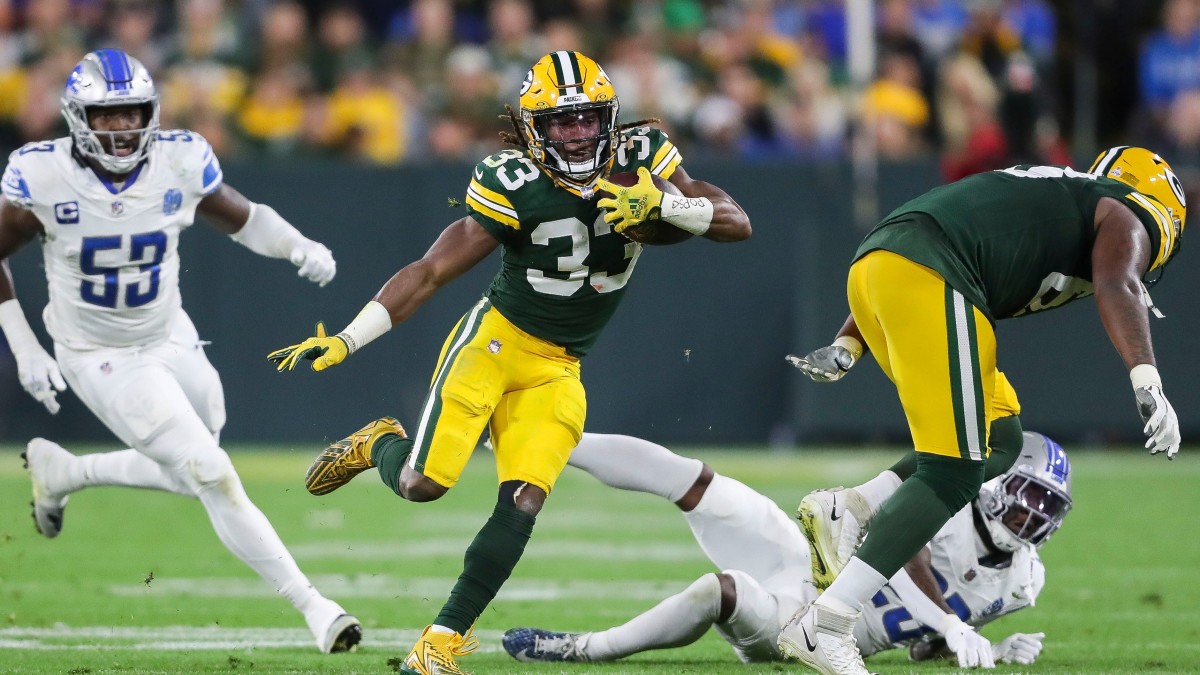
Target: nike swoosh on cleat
833,513
808,641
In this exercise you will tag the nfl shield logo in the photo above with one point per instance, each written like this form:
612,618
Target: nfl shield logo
118,208
494,346
106,367
172,200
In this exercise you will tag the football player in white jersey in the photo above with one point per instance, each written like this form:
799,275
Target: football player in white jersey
981,565
108,203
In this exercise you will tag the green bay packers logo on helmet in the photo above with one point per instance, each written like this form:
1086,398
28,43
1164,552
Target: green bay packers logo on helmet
569,116
1159,190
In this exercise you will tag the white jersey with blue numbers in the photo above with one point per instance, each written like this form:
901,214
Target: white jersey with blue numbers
978,594
111,253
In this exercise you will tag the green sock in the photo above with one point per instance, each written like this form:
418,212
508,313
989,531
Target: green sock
938,488
490,560
1004,438
389,454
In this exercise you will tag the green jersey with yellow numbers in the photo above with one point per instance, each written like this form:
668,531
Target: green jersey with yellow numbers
564,269
1014,241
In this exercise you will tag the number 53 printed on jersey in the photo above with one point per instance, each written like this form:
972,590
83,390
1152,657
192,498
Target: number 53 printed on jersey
145,251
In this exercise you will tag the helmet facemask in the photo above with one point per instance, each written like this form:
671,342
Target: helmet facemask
1028,503
109,78
558,156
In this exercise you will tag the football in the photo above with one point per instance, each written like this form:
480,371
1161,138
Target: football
652,231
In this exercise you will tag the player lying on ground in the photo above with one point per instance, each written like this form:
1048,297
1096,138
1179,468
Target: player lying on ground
982,565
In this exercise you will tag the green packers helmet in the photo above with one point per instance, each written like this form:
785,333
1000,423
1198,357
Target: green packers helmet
1152,177
569,83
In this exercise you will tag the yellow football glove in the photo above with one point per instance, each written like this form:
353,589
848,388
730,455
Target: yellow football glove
632,205
322,350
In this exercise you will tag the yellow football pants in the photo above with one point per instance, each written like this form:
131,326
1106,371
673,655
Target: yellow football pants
937,348
528,388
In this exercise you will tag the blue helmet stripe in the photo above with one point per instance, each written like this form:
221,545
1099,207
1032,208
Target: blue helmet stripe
1057,464
115,66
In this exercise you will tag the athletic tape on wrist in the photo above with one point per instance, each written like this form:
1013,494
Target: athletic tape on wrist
691,214
374,320
1145,375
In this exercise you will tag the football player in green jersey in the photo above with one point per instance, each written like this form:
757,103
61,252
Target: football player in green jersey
512,362
925,289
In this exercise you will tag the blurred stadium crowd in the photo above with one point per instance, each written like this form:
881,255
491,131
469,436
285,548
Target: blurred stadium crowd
393,81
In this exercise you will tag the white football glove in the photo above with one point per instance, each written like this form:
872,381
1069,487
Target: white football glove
1018,648
973,650
315,261
827,364
1162,425
39,375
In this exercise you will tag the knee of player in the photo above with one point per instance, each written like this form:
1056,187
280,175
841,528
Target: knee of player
728,597
521,495
418,488
211,468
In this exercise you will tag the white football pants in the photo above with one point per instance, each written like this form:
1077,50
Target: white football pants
166,402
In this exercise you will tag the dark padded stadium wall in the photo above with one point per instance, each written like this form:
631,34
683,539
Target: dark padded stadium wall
695,355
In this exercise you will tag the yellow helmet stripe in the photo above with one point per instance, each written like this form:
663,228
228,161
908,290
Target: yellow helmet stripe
665,160
1105,162
1165,227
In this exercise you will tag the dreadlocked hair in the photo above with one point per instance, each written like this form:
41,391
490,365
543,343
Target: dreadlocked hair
517,137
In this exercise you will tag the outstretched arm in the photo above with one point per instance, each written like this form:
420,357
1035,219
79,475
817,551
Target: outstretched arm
920,594
259,228
1120,256
829,364
460,246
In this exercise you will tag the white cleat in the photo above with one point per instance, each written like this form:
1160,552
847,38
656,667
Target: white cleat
46,461
834,522
334,629
823,640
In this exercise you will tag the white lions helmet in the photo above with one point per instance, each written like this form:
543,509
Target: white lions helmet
1028,503
104,78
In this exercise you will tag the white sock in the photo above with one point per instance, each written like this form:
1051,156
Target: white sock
678,620
438,628
877,490
857,583
737,528
247,533
630,463
124,468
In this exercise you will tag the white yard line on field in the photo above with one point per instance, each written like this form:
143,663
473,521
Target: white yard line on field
181,638
384,586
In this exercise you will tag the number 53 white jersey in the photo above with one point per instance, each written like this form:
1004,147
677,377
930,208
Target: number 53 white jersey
111,253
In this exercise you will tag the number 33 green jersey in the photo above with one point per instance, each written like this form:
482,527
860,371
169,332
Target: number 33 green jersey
564,269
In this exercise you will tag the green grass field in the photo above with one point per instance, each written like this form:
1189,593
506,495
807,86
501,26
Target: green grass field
1121,594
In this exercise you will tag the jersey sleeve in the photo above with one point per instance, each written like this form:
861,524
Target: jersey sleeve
194,159
1152,214
649,147
14,183
490,203
1158,223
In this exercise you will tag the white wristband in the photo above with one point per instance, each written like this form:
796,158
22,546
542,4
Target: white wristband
690,214
1145,375
850,344
16,328
374,320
